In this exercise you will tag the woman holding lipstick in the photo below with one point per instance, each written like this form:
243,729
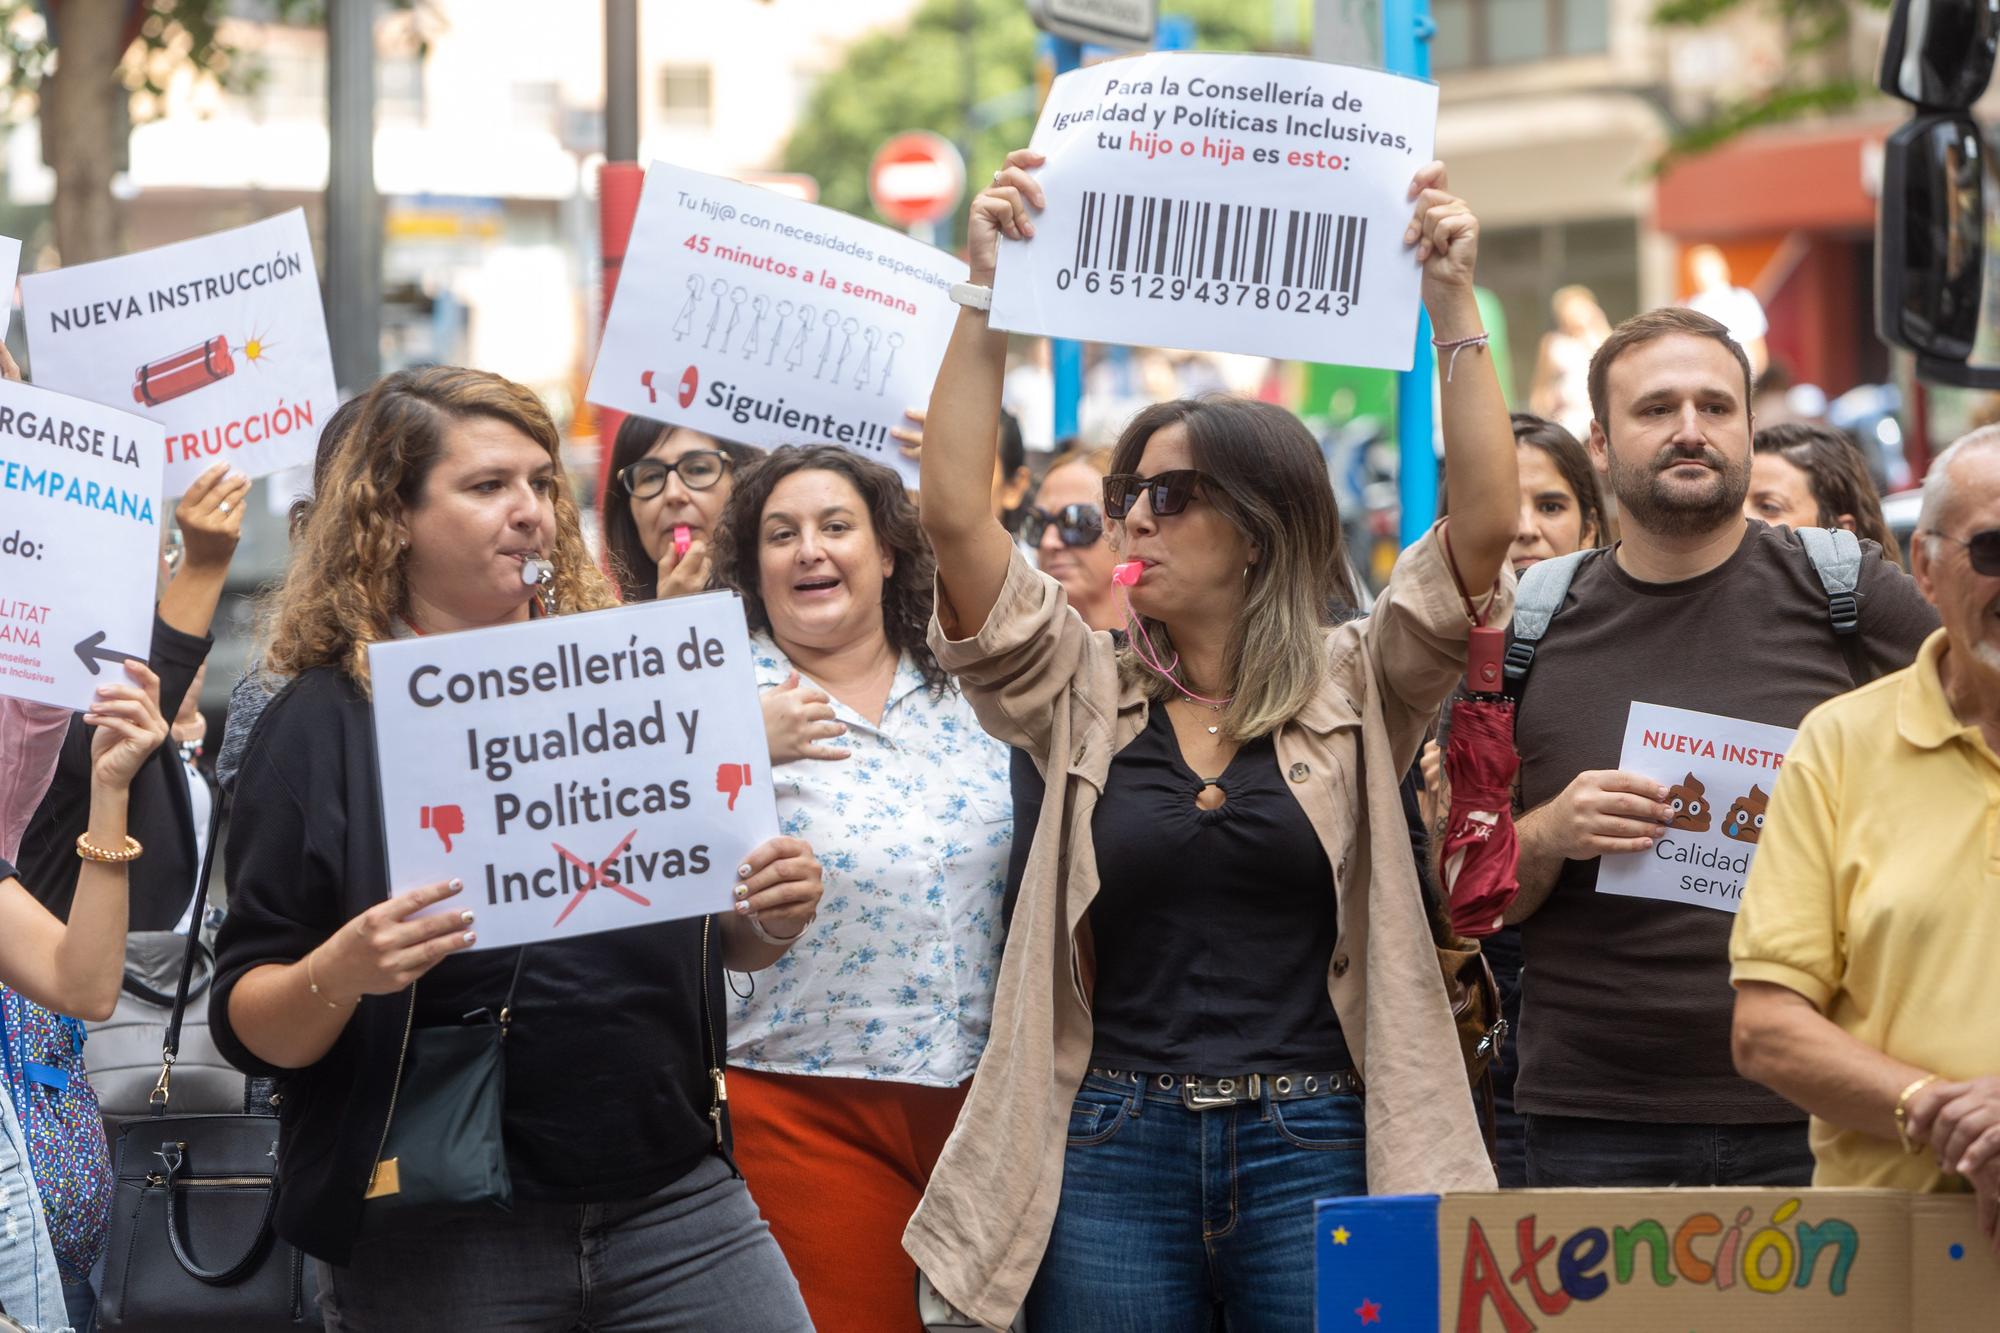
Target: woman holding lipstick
1219,999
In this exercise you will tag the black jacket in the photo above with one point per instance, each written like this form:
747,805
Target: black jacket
607,1092
159,816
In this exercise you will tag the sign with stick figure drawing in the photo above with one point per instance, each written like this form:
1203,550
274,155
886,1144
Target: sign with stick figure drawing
753,316
1718,772
221,340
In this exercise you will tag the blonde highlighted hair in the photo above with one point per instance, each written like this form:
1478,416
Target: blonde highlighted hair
1264,472
344,586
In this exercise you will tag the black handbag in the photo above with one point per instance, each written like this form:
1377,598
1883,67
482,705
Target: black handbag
192,1249
441,1142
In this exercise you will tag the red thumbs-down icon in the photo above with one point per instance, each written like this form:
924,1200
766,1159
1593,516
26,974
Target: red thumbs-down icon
731,779
448,820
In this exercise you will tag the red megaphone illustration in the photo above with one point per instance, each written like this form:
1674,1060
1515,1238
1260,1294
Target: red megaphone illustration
690,378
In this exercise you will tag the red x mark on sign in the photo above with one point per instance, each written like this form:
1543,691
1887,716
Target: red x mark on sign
594,875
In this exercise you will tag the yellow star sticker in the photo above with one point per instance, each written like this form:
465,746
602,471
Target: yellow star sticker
1340,1235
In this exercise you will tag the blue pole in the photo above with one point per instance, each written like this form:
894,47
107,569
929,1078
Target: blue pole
1406,34
1065,354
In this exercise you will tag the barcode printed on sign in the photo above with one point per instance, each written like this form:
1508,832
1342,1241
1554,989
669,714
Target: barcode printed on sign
1152,235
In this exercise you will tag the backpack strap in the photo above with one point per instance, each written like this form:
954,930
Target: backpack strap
1835,554
1536,602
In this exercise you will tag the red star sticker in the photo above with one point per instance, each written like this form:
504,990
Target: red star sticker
1370,1312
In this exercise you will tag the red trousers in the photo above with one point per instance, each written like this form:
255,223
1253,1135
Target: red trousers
837,1166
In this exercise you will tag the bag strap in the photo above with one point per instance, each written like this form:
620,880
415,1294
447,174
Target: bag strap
711,1051
1536,602
1836,558
170,1047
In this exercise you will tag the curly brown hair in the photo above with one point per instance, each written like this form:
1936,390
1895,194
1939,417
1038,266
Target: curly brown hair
908,591
345,586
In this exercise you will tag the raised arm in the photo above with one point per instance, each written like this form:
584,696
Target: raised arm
1479,460
962,427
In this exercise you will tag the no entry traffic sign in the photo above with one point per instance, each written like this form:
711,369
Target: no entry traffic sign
916,178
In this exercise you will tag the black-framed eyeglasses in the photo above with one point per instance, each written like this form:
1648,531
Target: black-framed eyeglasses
1982,548
1167,493
1075,525
699,469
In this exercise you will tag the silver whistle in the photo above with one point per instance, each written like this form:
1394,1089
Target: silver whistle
536,570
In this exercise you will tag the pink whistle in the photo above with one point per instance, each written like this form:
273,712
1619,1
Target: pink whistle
1126,573
682,536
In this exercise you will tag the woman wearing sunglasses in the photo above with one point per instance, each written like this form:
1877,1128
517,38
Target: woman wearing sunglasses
1219,999
1065,526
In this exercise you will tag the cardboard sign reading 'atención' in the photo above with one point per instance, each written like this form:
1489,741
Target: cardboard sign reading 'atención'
578,773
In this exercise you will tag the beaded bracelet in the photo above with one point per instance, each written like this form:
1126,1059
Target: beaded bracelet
89,851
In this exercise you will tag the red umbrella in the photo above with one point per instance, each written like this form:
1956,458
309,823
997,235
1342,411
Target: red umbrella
1480,854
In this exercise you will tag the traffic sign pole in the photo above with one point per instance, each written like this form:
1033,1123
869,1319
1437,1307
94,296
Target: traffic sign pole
1065,354
1406,36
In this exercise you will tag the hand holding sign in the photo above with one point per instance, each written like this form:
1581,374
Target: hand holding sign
1001,209
778,887
1606,811
1446,235
129,727
387,947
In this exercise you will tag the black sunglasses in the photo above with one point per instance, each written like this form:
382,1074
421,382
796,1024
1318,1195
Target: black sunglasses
1075,525
699,469
1167,493
1982,548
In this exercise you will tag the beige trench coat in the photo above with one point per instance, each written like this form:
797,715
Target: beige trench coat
1039,679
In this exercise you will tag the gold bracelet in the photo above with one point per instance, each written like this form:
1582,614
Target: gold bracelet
1903,1111
313,983
91,852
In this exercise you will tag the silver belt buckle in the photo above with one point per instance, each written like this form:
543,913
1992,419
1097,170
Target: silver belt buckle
1228,1092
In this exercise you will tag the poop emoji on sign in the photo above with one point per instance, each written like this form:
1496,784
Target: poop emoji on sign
1689,802
1746,816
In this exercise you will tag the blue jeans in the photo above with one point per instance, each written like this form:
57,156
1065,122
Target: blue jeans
1173,1219
695,1255
1570,1152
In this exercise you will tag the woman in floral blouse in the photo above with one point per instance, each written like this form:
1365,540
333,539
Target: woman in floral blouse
850,1059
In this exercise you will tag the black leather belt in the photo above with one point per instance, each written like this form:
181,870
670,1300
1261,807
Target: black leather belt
1204,1093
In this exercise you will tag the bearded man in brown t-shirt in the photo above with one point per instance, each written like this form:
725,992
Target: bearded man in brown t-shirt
1626,1077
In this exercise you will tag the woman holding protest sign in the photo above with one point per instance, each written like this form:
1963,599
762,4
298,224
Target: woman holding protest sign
74,968
625,1208
849,1061
1220,935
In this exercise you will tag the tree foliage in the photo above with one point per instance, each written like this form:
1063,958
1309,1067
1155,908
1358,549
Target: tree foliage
914,77
1819,78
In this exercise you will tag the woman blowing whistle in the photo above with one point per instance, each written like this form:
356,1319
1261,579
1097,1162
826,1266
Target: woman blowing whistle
1220,931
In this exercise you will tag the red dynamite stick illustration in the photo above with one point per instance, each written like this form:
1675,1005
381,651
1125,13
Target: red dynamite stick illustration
447,820
169,377
731,779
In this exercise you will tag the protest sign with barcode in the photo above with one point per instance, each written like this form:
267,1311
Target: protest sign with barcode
221,339
1230,203
79,543
578,773
759,318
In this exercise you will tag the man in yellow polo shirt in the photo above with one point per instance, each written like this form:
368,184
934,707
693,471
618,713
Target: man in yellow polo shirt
1867,989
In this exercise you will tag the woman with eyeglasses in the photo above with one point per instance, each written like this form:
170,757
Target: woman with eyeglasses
1219,999
669,485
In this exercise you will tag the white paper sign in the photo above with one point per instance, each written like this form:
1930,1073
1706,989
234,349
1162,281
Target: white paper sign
222,340
749,315
79,543
578,773
1233,203
10,267
1719,772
